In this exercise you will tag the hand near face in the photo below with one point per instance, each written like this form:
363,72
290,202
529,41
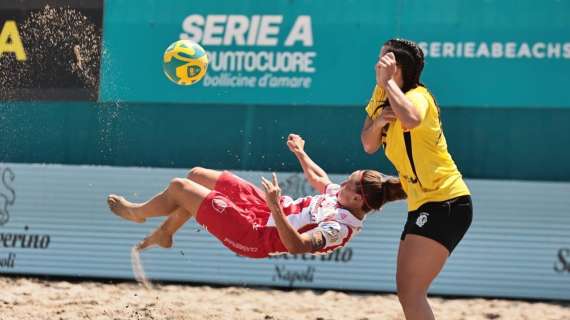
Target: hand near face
385,68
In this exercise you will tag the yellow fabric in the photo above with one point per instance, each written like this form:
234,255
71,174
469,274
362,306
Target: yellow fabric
373,108
439,178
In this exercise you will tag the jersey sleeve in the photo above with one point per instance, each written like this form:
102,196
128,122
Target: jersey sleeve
335,233
377,99
420,102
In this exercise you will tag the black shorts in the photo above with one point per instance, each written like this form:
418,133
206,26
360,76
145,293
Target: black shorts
445,222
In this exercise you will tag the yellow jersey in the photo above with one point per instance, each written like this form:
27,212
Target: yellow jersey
436,176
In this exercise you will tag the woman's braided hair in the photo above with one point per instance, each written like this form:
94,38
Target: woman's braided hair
410,57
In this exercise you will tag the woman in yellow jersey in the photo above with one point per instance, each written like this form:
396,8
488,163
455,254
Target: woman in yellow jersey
403,118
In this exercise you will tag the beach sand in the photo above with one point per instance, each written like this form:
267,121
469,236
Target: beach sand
29,298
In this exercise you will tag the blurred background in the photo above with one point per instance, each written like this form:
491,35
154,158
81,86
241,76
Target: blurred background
85,110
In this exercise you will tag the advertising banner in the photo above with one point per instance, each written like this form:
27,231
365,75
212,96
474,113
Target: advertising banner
50,50
478,53
54,221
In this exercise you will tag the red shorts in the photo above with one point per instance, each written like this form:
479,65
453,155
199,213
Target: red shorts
235,212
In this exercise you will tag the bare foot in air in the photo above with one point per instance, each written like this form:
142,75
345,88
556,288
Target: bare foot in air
121,207
158,237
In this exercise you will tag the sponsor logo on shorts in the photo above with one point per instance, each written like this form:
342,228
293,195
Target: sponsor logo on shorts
239,246
219,204
422,219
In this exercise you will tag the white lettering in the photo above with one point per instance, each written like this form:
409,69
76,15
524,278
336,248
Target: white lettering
566,49
213,30
236,30
524,51
510,50
192,26
538,50
237,61
302,31
497,49
459,49
435,49
469,49
250,62
482,51
253,28
553,50
268,30
448,49
308,61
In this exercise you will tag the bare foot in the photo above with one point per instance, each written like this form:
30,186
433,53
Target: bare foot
158,237
121,207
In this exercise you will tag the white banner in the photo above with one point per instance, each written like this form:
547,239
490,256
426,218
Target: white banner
54,221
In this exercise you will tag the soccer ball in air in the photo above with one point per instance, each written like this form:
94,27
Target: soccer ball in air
185,62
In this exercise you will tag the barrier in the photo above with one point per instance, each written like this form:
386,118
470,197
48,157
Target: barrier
54,221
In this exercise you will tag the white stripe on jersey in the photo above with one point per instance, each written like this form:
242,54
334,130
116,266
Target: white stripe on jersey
323,213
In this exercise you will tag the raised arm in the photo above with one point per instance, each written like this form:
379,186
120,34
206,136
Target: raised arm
405,111
316,176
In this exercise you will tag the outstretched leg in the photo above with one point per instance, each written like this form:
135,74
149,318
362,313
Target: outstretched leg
188,197
163,203
159,204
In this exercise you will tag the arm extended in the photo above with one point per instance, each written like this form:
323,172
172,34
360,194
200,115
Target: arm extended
316,176
405,111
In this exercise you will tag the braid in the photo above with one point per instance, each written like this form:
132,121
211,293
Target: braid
411,59
412,49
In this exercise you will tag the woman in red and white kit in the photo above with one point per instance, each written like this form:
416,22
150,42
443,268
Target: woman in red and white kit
257,224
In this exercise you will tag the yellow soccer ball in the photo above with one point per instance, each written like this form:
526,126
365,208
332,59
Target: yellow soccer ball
185,62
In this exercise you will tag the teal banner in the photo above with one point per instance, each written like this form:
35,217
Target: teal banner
282,52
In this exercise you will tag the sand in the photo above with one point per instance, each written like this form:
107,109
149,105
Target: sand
26,298
63,49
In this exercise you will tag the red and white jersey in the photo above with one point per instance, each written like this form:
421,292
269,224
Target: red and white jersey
321,213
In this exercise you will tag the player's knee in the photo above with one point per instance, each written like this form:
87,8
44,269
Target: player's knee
178,183
195,172
409,293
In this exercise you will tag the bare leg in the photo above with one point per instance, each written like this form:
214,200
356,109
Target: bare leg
160,205
420,260
188,195
205,177
163,235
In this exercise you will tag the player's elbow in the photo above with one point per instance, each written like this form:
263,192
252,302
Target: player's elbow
411,124
412,121
370,147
